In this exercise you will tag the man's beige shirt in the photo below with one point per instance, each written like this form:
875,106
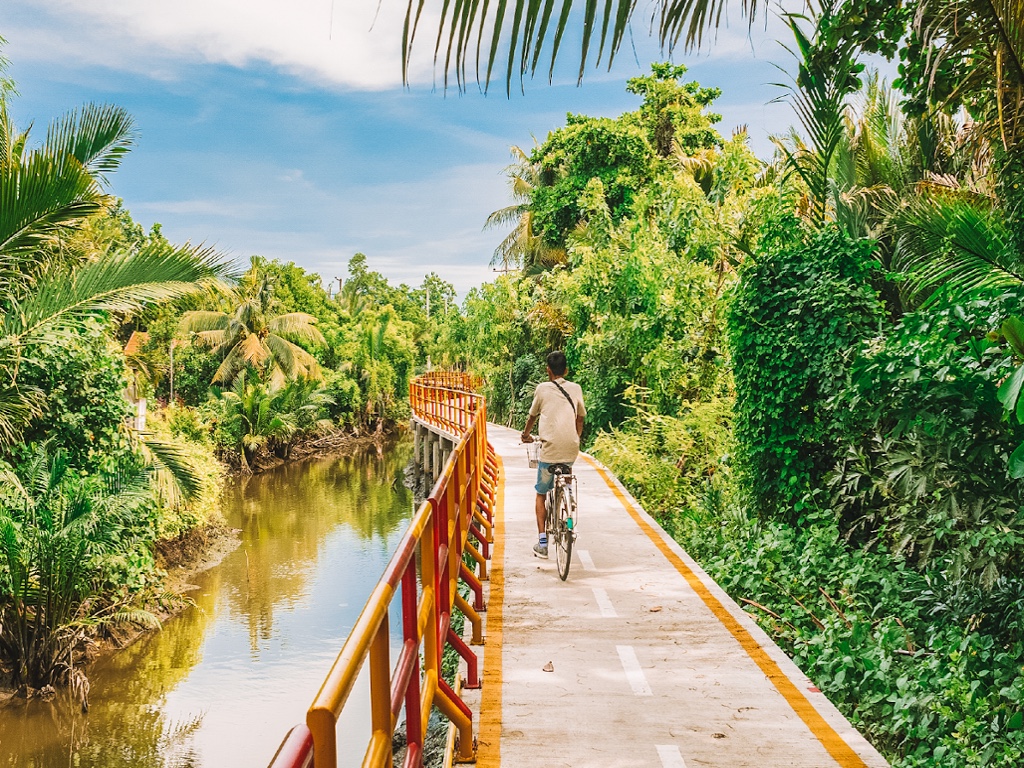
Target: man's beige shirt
559,443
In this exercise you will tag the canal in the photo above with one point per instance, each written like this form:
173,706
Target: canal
223,681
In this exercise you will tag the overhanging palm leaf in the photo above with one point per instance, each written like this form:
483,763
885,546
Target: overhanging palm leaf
952,243
39,199
174,472
120,283
97,136
529,27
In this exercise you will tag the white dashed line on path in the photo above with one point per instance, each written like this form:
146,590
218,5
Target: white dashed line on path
670,756
586,559
607,609
634,674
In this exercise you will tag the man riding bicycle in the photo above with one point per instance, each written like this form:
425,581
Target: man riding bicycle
559,406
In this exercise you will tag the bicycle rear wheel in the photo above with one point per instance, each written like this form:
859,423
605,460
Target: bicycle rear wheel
563,531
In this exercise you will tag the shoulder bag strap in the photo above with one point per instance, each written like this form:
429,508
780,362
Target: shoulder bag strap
566,396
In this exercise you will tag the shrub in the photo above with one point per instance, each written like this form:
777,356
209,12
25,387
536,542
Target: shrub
83,378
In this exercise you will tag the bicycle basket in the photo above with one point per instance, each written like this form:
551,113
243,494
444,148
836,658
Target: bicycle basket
532,453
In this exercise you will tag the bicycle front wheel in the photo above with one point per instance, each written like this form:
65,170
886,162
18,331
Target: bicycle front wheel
563,531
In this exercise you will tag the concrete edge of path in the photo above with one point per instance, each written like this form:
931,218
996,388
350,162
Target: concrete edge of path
846,745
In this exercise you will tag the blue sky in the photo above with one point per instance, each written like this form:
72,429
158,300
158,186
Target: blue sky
282,129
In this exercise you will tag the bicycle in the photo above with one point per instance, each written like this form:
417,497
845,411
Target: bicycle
559,509
560,506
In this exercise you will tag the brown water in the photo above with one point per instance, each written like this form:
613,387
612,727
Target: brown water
222,683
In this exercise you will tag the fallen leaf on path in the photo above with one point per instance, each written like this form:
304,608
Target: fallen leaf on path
549,667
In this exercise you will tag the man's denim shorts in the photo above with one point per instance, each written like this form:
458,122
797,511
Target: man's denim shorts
545,477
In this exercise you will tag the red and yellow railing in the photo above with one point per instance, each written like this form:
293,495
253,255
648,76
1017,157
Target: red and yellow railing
460,506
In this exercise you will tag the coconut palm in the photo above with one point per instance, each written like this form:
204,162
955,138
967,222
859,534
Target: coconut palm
252,336
46,287
522,248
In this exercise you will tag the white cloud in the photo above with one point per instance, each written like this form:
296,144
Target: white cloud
343,42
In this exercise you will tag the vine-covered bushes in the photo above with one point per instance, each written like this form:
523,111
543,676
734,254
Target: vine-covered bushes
858,496
928,477
800,311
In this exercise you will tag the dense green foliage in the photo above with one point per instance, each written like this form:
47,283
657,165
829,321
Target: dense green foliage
82,497
799,313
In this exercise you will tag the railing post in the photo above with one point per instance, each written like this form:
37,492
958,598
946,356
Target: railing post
380,693
410,632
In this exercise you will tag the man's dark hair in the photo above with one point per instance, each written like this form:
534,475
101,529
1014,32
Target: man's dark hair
556,362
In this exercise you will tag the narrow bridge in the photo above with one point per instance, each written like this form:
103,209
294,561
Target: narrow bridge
638,659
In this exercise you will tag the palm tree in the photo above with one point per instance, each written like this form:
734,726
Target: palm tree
257,419
522,248
826,77
55,530
252,336
46,287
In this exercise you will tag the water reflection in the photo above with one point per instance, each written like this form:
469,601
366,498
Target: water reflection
223,681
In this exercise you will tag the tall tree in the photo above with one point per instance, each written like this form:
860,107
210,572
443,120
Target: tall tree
523,248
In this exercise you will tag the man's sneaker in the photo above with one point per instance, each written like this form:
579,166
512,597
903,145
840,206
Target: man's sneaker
540,550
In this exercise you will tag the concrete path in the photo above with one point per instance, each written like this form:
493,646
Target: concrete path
651,664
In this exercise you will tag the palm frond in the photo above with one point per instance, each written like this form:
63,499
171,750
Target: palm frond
253,351
982,43
215,339
202,321
97,136
951,243
297,326
229,367
505,216
132,616
121,283
527,28
39,199
18,406
293,359
175,473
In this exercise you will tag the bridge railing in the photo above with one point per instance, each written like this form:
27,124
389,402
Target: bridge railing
461,503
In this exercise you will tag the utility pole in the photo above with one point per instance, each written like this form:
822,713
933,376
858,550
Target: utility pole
171,403
428,322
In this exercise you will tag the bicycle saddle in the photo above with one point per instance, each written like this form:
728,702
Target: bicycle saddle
561,469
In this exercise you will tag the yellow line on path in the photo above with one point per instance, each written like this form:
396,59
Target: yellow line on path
489,739
825,733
